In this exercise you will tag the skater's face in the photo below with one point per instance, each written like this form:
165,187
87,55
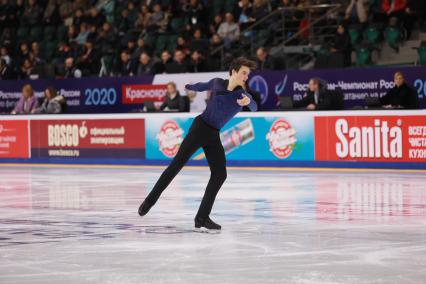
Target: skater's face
241,76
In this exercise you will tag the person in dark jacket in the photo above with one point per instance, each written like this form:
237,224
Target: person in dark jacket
317,97
342,45
400,96
174,101
228,97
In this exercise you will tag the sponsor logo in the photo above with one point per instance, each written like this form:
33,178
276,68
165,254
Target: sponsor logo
65,135
373,141
136,94
169,138
281,137
279,88
259,84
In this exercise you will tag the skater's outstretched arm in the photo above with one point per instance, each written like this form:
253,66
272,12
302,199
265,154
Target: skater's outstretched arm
202,86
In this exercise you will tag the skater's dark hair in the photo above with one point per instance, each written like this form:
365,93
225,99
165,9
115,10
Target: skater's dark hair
241,61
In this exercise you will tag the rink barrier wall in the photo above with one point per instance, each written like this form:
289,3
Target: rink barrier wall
343,139
128,94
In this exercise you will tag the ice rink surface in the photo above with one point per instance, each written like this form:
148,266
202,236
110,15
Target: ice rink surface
80,225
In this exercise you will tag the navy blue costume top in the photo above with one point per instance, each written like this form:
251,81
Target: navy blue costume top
222,105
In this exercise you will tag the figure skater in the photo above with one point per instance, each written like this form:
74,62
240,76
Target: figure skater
228,97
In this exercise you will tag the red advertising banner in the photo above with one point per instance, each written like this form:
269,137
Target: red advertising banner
370,138
110,138
138,94
14,142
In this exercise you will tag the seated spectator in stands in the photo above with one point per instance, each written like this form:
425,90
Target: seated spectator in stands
89,60
51,16
174,101
95,18
71,71
342,45
260,9
179,64
83,34
23,53
52,103
356,12
6,72
214,26
166,59
245,14
124,23
107,38
317,97
32,14
26,69
27,103
183,45
400,96
229,31
125,66
140,47
142,19
158,20
199,43
198,63
78,18
4,54
145,66
264,60
195,15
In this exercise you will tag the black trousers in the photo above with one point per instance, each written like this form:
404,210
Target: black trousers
200,135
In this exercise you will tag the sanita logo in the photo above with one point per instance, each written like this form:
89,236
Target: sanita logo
259,84
170,138
281,137
375,141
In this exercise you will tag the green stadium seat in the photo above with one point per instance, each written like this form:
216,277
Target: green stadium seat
363,56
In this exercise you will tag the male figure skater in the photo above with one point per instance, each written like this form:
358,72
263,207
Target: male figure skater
227,98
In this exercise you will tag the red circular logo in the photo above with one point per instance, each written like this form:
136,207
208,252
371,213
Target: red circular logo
170,138
281,138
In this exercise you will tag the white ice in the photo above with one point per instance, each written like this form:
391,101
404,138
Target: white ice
80,225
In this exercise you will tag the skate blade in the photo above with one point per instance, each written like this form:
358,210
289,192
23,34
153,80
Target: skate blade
206,231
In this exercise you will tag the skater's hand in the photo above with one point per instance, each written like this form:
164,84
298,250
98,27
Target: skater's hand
244,101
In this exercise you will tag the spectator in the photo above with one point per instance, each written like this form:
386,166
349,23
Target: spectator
83,34
143,17
198,62
27,103
179,64
32,14
195,14
6,72
107,38
52,103
183,45
316,98
245,14
124,23
124,66
229,31
4,54
400,96
260,9
145,66
51,16
342,46
95,18
26,69
166,60
356,12
23,53
217,21
71,71
173,101
140,47
264,60
79,18
199,43
158,20
90,59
